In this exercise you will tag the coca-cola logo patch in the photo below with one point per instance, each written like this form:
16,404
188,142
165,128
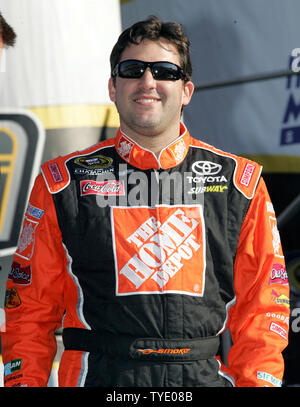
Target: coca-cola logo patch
111,187
159,250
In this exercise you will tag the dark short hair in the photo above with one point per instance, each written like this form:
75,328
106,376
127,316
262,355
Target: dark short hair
7,33
153,28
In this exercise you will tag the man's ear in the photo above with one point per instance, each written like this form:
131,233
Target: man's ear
111,90
188,90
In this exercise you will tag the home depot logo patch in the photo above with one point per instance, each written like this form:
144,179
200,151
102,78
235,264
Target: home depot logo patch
27,239
159,250
276,241
124,148
179,150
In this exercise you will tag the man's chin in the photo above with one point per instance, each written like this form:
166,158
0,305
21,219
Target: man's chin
148,124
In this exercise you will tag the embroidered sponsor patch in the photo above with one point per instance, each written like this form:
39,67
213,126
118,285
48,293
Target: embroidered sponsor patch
159,250
269,378
12,298
206,168
280,317
98,161
12,366
20,384
27,239
278,274
179,150
111,187
209,188
247,174
55,172
124,148
278,330
34,211
97,171
15,377
175,351
276,241
281,299
20,275
270,207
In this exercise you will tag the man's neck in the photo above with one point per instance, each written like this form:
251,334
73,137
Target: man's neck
153,142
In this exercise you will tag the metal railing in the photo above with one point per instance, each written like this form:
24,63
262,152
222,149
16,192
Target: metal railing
246,79
288,213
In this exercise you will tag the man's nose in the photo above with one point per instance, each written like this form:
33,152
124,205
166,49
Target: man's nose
147,79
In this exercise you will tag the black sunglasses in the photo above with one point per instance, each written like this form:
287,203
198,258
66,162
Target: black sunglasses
161,70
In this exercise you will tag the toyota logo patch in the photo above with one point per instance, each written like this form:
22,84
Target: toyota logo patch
206,168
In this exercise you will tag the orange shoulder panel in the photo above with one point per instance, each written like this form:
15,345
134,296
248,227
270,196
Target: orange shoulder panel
55,172
246,174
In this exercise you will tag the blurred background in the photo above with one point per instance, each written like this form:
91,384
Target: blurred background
54,100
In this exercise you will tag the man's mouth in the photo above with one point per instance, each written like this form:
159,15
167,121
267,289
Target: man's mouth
146,100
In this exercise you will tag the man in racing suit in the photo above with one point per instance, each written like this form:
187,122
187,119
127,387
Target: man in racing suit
147,248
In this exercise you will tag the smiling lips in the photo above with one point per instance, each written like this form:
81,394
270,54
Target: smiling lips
146,99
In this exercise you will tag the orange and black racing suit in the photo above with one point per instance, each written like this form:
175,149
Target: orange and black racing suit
145,261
